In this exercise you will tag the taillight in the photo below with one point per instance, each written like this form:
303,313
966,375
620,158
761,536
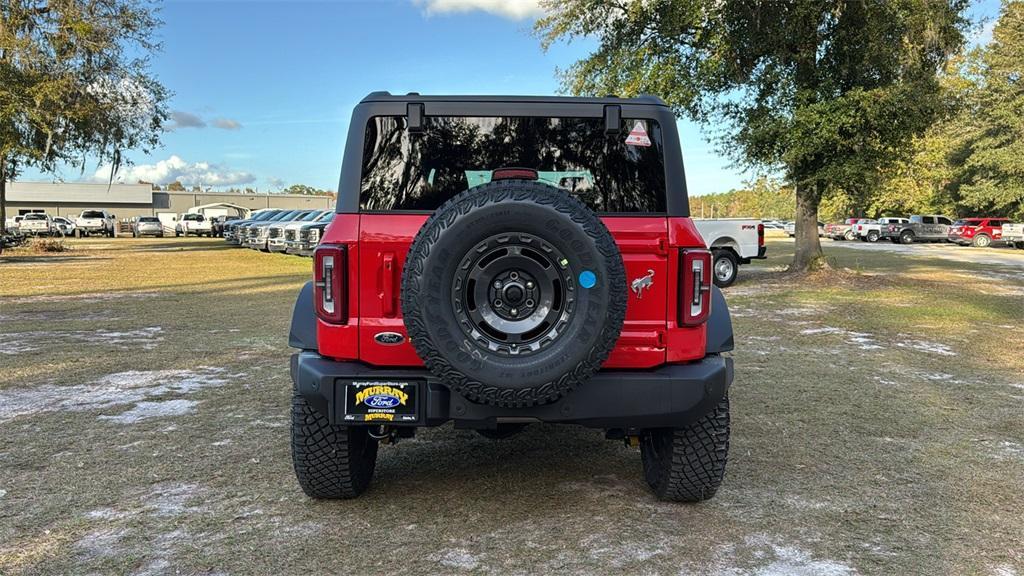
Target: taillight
695,286
760,235
330,283
514,173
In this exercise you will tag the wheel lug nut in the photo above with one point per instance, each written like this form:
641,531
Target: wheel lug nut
529,284
515,311
497,283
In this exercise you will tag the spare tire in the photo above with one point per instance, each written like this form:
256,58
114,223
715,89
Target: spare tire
513,293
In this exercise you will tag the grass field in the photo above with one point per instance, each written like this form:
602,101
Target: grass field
144,396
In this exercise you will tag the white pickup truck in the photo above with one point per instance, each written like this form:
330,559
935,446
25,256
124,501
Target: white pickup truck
1013,235
37,224
191,223
95,222
871,230
732,241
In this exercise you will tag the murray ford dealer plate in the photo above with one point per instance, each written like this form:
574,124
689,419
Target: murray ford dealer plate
381,401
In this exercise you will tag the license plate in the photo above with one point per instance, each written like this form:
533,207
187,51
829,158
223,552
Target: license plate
382,401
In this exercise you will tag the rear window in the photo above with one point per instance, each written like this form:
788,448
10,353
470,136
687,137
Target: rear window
403,171
92,214
35,217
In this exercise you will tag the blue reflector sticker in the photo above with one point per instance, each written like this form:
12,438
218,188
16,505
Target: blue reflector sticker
587,279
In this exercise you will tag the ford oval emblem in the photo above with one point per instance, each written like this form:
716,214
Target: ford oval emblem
382,401
389,338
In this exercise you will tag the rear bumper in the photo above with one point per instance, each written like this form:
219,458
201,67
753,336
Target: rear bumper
761,255
671,396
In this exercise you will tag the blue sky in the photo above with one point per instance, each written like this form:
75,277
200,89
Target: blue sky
264,90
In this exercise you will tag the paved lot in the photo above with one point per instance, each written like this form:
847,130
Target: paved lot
1000,256
143,430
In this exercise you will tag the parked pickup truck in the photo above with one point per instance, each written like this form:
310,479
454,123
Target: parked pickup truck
843,231
733,241
871,230
304,240
790,229
193,224
1013,235
91,222
928,228
981,232
37,224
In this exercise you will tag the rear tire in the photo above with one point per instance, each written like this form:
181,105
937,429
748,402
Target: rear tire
850,235
873,236
982,241
907,237
725,268
331,462
688,464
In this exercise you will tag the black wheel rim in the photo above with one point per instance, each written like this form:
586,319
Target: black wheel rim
513,294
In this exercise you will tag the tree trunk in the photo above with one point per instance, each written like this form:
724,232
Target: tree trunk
3,196
808,254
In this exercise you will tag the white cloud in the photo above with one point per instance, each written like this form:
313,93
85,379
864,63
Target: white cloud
175,168
512,9
182,119
226,124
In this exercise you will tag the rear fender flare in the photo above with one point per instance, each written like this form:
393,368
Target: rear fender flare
302,334
719,329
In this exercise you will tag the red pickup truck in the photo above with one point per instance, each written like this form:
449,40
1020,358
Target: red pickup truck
977,231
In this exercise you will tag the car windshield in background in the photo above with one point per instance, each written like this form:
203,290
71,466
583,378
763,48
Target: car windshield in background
92,214
310,217
622,172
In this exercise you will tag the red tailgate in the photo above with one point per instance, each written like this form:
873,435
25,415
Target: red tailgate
384,241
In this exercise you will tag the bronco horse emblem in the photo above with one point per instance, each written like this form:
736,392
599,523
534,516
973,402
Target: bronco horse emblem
642,282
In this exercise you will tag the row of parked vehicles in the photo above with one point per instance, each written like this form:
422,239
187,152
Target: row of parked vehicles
279,230
981,231
104,223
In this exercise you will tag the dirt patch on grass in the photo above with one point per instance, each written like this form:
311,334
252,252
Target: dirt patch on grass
111,392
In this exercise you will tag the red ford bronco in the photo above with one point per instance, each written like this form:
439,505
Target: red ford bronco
499,261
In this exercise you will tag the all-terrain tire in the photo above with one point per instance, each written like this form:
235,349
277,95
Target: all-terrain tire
480,221
688,464
907,237
872,236
331,462
982,241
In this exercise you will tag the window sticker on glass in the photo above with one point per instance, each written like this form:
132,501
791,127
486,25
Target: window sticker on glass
638,135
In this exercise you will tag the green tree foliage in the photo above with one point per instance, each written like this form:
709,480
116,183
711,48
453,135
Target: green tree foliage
991,160
828,91
75,84
764,199
306,190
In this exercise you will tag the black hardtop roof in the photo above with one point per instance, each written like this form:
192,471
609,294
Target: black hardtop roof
416,97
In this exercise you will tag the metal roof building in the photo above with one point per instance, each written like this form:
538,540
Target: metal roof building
127,200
